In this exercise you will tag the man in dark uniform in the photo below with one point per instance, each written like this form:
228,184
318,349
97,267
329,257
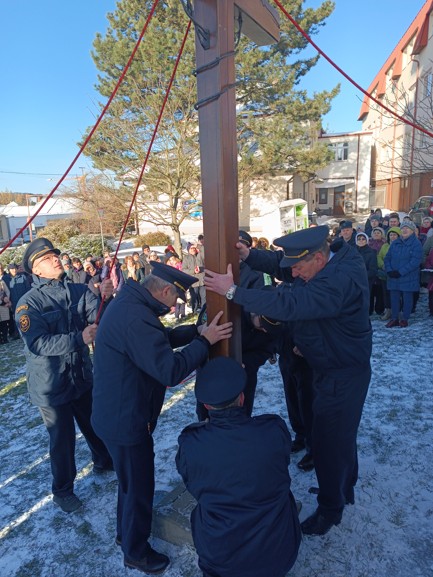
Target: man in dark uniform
245,523
328,308
56,321
134,363
347,232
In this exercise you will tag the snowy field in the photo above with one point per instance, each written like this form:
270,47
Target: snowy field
387,533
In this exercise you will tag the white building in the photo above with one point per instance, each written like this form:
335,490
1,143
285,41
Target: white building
13,218
403,156
342,187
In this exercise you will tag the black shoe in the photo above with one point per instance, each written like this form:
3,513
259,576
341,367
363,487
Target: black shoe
154,563
317,524
306,463
298,445
68,504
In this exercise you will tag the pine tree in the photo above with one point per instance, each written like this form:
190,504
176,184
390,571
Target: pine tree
277,124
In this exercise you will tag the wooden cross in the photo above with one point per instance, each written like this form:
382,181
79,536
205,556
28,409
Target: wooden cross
217,129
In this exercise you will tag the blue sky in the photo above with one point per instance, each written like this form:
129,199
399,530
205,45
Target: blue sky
47,96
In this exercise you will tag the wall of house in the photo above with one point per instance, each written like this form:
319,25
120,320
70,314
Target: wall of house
403,154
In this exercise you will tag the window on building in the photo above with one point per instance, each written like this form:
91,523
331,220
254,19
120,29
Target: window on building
427,84
323,196
341,150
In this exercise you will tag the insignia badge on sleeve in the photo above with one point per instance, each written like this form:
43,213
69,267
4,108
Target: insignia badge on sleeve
24,323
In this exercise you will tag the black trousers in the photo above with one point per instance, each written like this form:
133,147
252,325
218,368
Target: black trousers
298,390
337,411
60,424
135,471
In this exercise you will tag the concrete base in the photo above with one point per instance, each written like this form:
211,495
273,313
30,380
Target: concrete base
171,516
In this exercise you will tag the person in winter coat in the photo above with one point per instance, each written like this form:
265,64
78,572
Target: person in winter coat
376,242
189,266
429,265
79,275
131,269
19,284
402,266
236,466
5,306
134,364
392,235
94,278
327,307
56,320
369,257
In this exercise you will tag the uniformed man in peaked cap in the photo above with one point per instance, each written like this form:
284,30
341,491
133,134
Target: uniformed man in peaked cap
328,310
134,364
236,467
56,320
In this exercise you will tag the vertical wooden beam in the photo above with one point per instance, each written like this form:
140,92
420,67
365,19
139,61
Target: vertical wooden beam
218,150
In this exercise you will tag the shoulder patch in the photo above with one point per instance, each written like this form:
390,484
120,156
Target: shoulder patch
24,323
21,308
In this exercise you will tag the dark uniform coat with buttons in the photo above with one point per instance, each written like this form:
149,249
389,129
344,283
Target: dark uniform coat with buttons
329,316
245,523
51,317
135,362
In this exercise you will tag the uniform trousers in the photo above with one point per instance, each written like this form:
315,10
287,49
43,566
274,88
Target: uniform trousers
59,421
337,410
134,466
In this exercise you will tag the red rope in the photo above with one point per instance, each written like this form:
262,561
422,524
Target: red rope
152,140
91,133
370,96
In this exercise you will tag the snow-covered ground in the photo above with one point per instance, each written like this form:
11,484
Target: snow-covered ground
387,533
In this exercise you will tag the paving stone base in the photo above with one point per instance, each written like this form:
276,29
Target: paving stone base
171,516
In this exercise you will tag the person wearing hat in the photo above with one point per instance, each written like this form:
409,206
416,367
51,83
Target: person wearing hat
134,364
19,284
328,310
402,266
56,320
347,232
236,467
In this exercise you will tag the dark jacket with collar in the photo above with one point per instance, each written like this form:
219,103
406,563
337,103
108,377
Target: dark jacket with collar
135,362
245,523
51,317
328,315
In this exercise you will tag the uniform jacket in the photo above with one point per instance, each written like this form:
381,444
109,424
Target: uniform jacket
329,315
245,523
51,317
405,257
135,362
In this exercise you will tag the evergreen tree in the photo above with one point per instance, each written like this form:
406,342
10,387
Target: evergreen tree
277,124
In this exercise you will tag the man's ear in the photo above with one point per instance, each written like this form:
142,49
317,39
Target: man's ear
241,399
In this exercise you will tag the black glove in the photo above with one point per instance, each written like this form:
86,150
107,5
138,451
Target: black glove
394,274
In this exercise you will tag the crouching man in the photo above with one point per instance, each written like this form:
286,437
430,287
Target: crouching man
245,523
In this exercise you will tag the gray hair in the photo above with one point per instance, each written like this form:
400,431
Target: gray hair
155,284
